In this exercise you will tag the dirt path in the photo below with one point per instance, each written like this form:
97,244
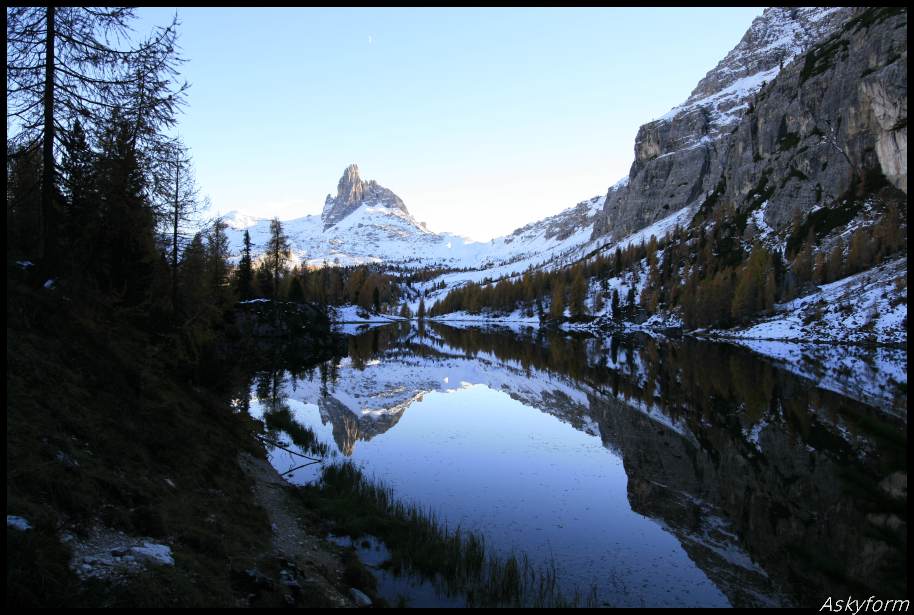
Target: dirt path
313,570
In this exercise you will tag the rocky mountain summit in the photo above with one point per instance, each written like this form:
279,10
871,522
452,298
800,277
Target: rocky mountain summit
809,107
366,222
773,40
353,192
680,158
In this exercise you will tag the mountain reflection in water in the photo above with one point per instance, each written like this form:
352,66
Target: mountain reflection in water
664,472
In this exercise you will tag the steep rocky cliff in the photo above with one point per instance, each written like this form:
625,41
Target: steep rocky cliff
832,121
809,101
353,192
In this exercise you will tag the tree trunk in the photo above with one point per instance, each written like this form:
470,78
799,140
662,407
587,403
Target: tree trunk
47,170
174,242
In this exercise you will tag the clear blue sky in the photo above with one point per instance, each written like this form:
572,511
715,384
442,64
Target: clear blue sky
482,120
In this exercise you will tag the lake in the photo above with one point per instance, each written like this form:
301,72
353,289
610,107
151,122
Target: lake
651,471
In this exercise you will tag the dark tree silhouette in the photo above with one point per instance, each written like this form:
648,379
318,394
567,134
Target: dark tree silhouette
276,253
244,281
65,64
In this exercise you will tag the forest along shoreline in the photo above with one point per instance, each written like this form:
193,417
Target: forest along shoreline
717,393
130,481
134,480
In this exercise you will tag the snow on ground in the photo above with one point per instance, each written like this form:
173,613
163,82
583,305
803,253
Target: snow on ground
814,336
18,523
722,104
867,307
355,314
379,234
659,229
517,318
875,376
559,254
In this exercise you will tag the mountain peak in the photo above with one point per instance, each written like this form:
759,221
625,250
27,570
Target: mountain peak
350,187
352,192
774,39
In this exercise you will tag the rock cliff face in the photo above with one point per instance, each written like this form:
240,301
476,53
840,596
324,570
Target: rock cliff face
353,192
808,100
833,119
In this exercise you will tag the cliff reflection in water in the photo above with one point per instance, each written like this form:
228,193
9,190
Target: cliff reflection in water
778,491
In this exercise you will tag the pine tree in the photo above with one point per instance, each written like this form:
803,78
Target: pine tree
276,253
244,280
217,254
421,313
128,252
263,280
180,193
78,183
296,292
23,200
860,254
194,290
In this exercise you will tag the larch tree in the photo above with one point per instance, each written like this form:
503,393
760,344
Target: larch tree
557,306
179,191
578,294
66,64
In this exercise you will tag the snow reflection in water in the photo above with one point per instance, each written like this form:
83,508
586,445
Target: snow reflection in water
625,464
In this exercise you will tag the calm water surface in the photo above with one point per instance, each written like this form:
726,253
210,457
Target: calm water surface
659,472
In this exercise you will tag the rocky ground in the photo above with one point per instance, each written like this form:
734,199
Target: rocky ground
314,567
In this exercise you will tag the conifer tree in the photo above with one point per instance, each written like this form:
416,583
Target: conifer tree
819,271
217,254
23,199
557,306
578,294
244,280
62,66
127,233
276,253
598,302
835,267
802,264
78,184
194,291
296,292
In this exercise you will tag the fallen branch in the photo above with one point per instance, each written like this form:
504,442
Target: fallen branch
288,450
304,465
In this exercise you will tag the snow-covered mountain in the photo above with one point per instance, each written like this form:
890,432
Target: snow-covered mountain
679,158
353,192
368,223
774,39
810,102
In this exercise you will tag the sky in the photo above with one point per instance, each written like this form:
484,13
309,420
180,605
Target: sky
482,120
